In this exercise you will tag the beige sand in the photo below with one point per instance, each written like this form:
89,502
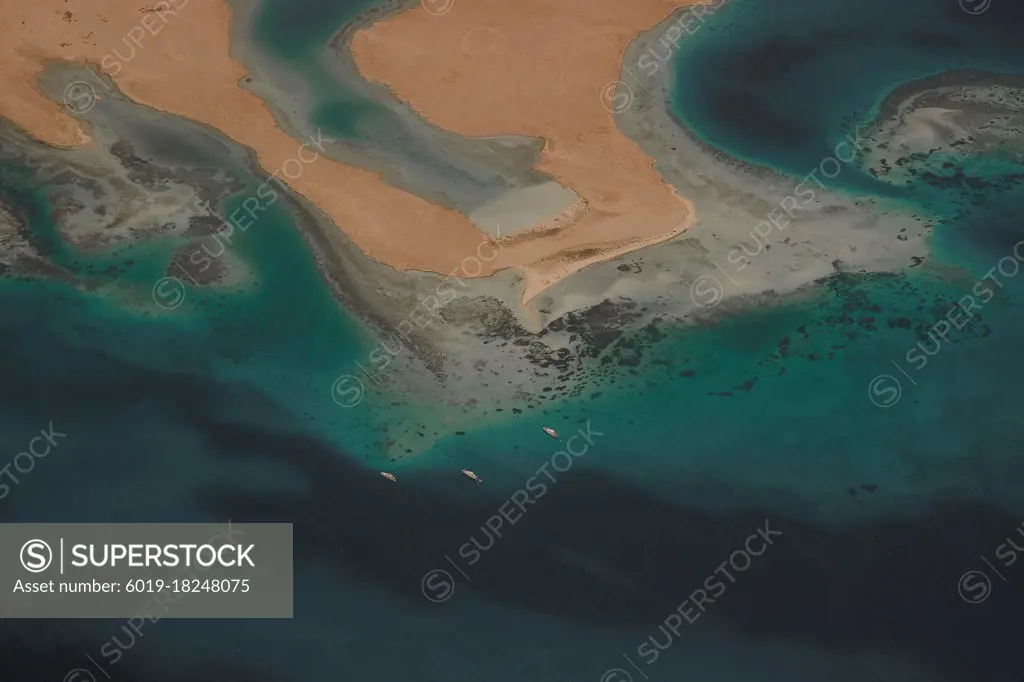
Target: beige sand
547,84
539,68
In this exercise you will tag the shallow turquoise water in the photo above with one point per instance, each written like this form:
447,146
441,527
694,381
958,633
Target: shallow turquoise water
298,30
222,408
295,32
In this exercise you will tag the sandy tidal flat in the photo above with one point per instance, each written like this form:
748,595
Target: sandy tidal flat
174,56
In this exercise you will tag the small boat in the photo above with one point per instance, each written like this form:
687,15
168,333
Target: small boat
551,432
471,476
390,477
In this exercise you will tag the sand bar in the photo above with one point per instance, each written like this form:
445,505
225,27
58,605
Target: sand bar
545,80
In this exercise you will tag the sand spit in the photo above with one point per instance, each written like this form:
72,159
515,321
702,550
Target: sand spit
551,79
750,243
174,56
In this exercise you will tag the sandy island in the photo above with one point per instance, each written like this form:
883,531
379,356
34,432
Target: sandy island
544,79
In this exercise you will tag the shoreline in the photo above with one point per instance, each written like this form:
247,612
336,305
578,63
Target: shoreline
397,228
629,206
381,135
735,200
532,363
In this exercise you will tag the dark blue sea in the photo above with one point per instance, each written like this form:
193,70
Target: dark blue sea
886,487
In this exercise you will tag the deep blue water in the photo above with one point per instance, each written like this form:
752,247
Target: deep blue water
779,83
223,410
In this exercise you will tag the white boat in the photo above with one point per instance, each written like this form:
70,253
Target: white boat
390,477
471,476
551,432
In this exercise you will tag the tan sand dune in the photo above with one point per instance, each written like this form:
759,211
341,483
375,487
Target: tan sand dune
174,56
